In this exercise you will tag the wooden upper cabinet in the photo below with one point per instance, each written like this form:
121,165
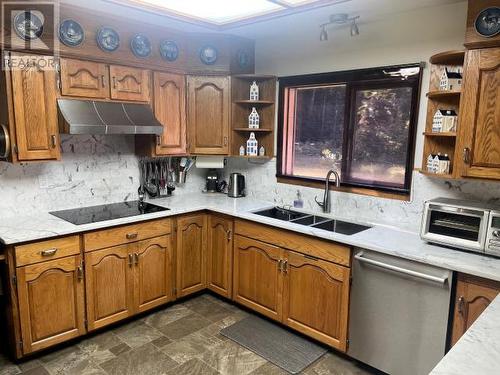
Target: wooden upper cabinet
84,79
32,97
220,255
170,110
316,299
154,276
109,285
480,114
130,84
191,254
208,115
51,302
473,295
257,276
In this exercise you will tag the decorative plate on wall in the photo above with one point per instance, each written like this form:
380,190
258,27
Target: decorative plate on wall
243,58
169,50
208,55
108,39
140,45
28,25
71,33
488,22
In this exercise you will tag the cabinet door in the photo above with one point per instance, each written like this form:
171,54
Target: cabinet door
154,278
51,302
208,115
258,280
191,254
480,114
473,295
170,110
110,285
220,255
316,299
130,84
33,99
84,79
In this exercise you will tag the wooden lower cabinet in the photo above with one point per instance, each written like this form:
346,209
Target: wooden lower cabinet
303,292
154,273
128,279
220,255
316,298
51,302
110,285
191,254
473,295
258,280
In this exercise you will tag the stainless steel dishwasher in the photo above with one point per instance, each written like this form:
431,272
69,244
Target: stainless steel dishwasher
398,314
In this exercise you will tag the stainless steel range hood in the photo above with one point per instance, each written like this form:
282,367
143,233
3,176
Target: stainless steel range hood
93,117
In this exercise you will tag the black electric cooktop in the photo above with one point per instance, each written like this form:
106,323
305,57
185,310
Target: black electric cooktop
94,214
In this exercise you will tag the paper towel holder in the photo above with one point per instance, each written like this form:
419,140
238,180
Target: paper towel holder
210,162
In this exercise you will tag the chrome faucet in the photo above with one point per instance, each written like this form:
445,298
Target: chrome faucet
326,197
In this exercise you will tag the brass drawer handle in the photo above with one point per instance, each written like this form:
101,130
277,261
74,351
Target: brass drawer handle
131,236
79,271
285,267
53,140
136,259
229,234
48,252
466,155
103,82
130,260
280,265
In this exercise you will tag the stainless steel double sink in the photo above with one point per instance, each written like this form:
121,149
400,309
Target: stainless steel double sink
313,221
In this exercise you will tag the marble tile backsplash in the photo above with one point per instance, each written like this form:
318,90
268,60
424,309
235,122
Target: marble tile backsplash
104,169
94,170
262,184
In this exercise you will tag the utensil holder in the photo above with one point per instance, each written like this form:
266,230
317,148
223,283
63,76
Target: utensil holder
180,177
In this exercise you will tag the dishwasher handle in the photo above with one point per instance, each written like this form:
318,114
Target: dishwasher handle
420,275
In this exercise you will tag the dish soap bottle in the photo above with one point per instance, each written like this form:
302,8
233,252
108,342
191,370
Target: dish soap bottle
298,202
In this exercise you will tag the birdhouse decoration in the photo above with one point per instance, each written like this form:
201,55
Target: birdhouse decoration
254,91
444,120
451,79
430,163
253,119
252,145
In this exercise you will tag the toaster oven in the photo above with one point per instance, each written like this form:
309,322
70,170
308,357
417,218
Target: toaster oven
460,224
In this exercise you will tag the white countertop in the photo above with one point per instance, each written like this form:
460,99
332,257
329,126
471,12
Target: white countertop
477,352
383,239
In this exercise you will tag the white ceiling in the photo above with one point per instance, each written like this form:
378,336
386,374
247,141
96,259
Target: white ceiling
289,26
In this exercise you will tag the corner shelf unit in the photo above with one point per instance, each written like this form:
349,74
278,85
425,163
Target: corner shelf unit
443,143
241,107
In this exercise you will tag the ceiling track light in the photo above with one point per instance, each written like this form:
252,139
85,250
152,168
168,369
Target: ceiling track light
339,19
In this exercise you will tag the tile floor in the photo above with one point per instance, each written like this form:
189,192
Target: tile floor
181,339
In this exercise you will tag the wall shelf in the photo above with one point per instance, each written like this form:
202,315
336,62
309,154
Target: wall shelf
455,57
260,130
443,134
444,143
241,108
443,94
254,102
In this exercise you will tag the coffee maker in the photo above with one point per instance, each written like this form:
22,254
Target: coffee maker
212,181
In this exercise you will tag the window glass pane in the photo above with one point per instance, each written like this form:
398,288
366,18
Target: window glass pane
380,136
318,131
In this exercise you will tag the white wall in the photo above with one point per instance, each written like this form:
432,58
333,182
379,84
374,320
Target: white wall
388,39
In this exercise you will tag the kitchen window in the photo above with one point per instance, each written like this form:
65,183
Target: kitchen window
360,123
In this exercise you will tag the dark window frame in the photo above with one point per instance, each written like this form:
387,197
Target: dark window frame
354,80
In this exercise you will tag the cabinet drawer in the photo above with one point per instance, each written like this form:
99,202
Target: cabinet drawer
126,234
326,250
47,250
